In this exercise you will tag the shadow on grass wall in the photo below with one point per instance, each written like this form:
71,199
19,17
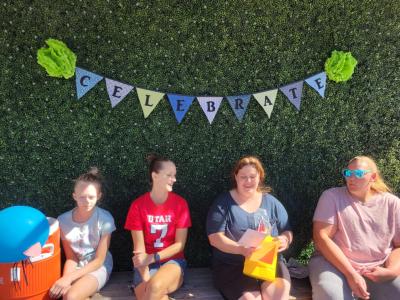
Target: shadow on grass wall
48,138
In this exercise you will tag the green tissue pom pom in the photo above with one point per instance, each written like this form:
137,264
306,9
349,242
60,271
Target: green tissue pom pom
340,66
58,59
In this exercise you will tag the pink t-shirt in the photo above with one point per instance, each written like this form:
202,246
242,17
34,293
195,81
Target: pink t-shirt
366,232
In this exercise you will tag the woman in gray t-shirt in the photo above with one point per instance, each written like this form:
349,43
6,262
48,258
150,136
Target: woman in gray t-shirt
85,234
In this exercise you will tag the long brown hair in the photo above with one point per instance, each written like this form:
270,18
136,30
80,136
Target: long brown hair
256,163
379,185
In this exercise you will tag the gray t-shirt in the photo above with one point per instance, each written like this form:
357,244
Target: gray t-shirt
227,217
84,238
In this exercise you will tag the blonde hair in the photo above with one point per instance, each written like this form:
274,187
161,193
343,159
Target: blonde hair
378,185
256,163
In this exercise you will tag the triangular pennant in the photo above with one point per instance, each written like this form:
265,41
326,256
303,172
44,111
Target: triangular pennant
318,83
85,81
148,100
239,105
180,105
293,92
267,100
117,91
210,106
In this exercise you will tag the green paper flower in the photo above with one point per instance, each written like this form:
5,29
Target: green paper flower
58,59
340,66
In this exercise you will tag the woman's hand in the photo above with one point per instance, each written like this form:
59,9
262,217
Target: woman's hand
60,287
246,251
358,285
283,242
141,259
379,274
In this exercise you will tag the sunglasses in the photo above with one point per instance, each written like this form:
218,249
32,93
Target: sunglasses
358,173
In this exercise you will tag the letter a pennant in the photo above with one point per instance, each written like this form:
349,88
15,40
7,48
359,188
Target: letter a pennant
293,92
148,100
180,105
85,81
210,106
117,91
267,100
318,83
239,105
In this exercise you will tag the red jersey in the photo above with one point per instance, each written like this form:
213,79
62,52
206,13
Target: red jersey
158,222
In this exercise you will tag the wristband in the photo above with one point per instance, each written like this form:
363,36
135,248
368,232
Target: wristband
157,258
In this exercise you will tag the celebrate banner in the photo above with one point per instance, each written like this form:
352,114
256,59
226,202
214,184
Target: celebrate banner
180,104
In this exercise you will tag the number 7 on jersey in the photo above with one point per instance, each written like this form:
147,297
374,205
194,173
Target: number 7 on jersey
154,228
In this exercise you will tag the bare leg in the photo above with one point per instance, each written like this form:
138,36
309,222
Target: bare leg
83,288
254,295
140,290
166,280
280,288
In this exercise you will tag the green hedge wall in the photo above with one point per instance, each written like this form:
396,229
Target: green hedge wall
47,137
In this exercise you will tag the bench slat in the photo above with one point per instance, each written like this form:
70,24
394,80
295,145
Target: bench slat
198,285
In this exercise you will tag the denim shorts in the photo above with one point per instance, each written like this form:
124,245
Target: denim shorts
153,268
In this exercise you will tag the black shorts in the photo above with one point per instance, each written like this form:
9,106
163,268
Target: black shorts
232,283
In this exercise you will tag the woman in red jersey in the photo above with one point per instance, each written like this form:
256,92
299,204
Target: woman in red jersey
159,222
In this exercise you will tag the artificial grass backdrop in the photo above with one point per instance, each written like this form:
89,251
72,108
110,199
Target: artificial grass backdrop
48,138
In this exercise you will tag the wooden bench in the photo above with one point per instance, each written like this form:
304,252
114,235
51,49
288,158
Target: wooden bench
198,285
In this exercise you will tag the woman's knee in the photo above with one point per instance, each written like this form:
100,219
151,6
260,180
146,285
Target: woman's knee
71,295
327,282
255,295
330,293
331,288
156,286
279,289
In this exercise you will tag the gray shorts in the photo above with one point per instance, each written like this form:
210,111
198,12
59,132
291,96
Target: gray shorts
103,273
153,268
329,283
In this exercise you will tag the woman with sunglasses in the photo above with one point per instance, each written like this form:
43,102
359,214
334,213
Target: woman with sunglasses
248,204
356,233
